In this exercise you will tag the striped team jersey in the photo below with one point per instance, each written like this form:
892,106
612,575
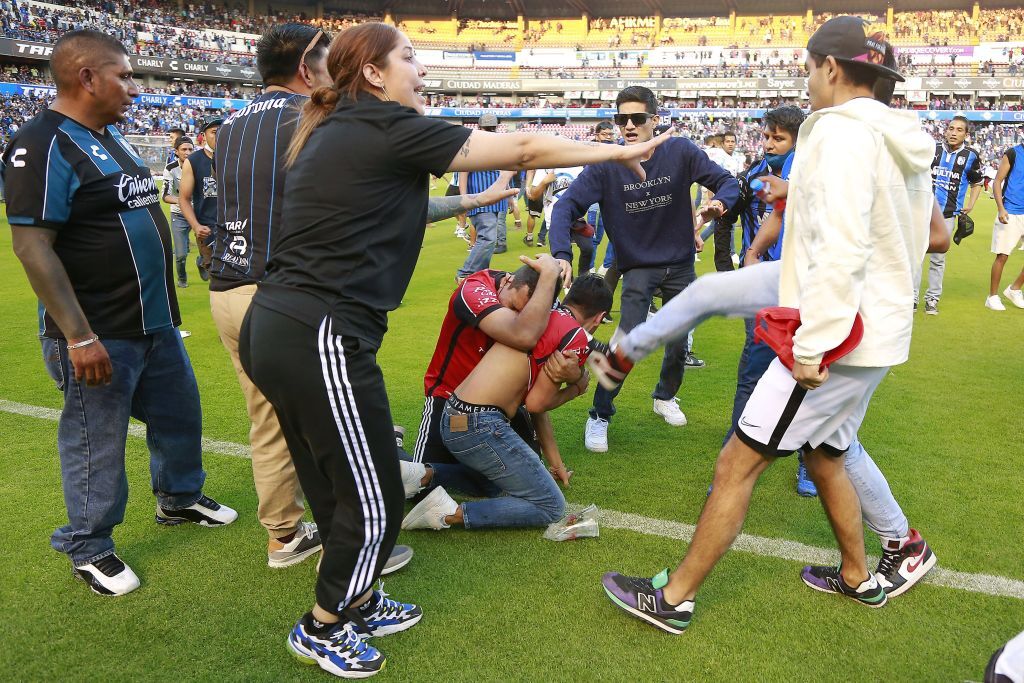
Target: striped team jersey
251,146
99,197
478,181
949,169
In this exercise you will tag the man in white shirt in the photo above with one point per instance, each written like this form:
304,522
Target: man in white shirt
857,226
548,185
722,150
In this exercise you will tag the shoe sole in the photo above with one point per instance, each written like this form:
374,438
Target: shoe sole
391,570
641,615
672,424
885,599
175,521
294,559
98,588
806,494
927,567
596,449
310,660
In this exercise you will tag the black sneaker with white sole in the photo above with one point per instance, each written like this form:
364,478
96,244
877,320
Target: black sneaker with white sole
204,512
108,576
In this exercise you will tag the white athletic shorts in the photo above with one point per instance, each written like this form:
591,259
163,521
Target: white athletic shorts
1006,237
782,417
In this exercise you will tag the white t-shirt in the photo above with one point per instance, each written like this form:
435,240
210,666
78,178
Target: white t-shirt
729,162
563,179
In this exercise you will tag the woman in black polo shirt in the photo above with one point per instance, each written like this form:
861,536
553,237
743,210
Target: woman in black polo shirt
354,216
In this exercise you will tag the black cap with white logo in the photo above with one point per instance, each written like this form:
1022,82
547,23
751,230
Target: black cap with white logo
846,39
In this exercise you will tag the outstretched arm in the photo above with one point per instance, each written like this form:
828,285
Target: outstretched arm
440,208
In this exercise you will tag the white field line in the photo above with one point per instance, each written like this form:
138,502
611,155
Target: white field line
794,551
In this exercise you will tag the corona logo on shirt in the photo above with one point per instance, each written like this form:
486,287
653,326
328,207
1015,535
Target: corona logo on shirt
136,192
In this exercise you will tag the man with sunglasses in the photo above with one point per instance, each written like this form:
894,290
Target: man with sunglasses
650,226
251,176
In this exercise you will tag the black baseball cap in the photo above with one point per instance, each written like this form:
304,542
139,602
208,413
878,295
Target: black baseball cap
210,122
846,39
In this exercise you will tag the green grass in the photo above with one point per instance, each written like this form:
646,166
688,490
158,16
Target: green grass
507,605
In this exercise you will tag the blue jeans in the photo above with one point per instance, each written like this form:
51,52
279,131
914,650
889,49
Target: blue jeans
525,492
479,258
638,286
153,382
179,237
594,218
501,241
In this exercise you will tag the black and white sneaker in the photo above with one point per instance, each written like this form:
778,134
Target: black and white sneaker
204,512
108,576
305,543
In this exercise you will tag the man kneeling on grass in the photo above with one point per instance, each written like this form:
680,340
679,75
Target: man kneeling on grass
493,461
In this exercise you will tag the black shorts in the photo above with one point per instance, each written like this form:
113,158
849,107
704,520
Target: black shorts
535,207
451,191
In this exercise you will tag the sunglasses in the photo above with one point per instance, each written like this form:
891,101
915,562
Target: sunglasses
309,48
638,119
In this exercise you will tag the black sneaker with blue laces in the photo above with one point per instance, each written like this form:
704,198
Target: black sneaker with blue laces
643,598
384,616
340,651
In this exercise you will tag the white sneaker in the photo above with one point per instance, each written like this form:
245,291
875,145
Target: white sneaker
412,475
670,411
994,304
108,576
460,233
1015,296
736,260
595,437
430,512
305,543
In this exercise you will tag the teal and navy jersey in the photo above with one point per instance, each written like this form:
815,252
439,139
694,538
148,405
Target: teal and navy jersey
251,149
98,195
478,181
949,169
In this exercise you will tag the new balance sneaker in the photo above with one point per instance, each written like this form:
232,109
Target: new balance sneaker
904,562
305,543
595,435
931,307
400,556
643,598
412,475
430,512
341,651
384,616
1015,296
994,304
107,576
830,580
804,486
204,512
670,411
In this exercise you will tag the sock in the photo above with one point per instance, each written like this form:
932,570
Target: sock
315,627
286,539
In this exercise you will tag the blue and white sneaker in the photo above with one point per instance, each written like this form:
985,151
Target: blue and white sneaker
384,616
341,651
804,486
643,598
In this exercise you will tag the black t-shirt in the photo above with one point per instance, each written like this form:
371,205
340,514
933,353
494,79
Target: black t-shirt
251,148
355,211
95,191
204,192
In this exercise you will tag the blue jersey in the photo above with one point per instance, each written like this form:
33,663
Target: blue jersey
751,217
478,181
1013,190
949,170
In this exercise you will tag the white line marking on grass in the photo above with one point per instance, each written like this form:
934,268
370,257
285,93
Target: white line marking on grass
236,450
985,584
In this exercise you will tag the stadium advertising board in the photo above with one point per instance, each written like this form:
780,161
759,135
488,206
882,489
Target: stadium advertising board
144,98
163,66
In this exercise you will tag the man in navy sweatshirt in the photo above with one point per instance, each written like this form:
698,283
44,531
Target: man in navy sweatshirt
650,226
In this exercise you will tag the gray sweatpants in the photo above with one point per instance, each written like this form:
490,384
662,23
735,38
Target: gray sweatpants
741,294
936,269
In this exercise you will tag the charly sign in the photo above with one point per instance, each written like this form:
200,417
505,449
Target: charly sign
163,66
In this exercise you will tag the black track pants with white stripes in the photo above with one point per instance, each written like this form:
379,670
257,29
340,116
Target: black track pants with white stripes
329,396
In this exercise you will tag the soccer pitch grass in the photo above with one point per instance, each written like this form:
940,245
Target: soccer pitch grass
508,605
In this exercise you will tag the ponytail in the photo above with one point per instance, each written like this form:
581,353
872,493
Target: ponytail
321,103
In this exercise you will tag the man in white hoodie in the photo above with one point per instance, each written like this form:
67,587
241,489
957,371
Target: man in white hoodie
858,218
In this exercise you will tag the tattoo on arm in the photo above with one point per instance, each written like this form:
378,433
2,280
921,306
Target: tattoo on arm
465,149
440,208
